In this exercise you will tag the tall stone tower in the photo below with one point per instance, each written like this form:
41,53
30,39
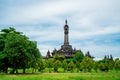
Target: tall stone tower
66,32
66,49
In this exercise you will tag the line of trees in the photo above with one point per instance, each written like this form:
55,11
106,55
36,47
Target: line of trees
79,63
17,51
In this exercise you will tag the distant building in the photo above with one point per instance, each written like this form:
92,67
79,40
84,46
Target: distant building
66,49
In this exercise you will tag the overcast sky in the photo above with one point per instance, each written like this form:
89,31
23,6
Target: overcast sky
94,25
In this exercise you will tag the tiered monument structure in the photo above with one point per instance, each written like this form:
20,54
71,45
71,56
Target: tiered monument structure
66,49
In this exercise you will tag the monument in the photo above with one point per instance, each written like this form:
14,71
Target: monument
66,49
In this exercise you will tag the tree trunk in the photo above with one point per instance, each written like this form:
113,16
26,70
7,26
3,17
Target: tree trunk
5,70
23,71
32,70
16,71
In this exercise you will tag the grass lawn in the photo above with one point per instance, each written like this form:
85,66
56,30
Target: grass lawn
111,75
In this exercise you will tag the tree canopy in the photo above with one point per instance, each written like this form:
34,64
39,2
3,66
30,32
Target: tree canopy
78,56
18,50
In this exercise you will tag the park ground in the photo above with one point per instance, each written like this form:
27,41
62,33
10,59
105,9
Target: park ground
111,75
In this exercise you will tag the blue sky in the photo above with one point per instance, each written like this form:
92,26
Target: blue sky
94,24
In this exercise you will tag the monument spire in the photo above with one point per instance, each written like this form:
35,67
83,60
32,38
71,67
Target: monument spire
66,22
66,31
66,49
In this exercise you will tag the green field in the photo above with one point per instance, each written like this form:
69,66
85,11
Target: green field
111,75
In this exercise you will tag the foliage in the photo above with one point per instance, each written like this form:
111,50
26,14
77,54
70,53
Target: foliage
95,66
21,53
18,52
117,64
71,66
57,64
15,47
104,65
2,56
87,64
64,65
49,64
78,66
57,61
57,57
41,65
88,55
3,63
78,56
69,60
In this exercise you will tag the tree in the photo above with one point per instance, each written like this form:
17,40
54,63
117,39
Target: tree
20,51
111,58
3,66
104,65
15,47
4,61
3,56
78,56
35,55
88,55
64,65
2,44
71,66
95,66
57,65
49,64
10,30
57,57
117,64
78,66
87,64
42,65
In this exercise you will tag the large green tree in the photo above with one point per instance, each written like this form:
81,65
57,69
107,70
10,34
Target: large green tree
20,51
4,58
2,55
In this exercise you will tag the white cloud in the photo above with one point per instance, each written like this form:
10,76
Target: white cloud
86,19
79,34
51,10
